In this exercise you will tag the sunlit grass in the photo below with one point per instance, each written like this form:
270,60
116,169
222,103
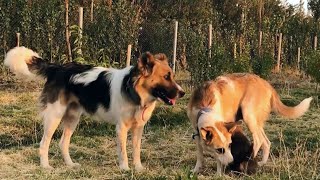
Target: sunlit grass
168,151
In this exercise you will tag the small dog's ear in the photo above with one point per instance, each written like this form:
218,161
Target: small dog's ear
207,134
146,63
232,126
161,57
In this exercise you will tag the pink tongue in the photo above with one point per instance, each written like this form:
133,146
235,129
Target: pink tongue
173,101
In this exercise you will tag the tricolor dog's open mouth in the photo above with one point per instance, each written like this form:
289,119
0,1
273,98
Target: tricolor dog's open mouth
160,94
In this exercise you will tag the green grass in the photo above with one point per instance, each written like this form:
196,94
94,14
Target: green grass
168,151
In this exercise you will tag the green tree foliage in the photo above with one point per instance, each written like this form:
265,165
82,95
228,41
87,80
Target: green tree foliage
313,64
148,26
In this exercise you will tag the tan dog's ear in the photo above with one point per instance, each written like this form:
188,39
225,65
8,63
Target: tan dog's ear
232,126
207,134
146,63
161,57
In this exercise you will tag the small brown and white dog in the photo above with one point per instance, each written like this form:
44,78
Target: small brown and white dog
124,97
230,98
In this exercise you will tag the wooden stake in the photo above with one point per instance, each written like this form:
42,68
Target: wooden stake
91,11
279,53
80,28
210,39
175,46
260,43
18,39
299,58
235,51
69,55
128,55
315,42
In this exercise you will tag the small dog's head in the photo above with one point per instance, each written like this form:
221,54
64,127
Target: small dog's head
157,78
216,140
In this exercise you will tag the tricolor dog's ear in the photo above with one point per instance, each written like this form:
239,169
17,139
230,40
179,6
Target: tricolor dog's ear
207,134
161,57
232,126
146,63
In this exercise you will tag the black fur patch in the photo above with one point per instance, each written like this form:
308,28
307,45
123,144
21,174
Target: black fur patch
94,94
57,76
58,81
127,87
239,115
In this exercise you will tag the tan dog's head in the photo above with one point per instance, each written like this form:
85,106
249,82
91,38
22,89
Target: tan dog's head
216,140
157,78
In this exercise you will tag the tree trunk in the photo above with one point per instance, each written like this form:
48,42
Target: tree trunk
183,62
69,55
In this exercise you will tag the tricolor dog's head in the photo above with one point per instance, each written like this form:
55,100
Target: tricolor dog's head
216,140
157,78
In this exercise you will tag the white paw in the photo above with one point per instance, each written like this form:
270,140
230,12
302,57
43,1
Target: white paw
124,167
73,165
47,167
261,163
138,167
196,170
219,173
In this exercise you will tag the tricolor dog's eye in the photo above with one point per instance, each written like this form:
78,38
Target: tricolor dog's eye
220,150
229,146
167,76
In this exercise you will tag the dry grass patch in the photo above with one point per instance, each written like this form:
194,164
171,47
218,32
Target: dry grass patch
168,152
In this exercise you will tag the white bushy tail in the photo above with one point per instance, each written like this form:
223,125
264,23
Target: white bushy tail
289,112
18,59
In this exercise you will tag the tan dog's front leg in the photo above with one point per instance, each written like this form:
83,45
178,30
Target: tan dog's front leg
136,143
200,158
122,132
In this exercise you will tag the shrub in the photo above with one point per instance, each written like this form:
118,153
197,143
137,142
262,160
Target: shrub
312,60
262,65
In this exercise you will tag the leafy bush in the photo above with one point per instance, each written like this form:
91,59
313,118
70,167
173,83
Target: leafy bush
262,65
312,59
241,64
203,67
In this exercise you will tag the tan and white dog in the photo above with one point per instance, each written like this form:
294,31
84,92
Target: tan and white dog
124,97
216,104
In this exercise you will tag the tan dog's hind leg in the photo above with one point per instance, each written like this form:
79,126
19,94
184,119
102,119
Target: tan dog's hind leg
70,121
254,121
136,143
122,133
52,116
265,147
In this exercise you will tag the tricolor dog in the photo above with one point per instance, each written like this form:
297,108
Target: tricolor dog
124,97
230,98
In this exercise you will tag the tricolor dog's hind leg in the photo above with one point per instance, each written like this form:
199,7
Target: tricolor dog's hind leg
52,115
70,120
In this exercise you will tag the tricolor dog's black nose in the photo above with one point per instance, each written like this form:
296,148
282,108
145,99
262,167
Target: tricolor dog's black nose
181,93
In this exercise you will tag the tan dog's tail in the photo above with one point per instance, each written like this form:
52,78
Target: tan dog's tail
289,112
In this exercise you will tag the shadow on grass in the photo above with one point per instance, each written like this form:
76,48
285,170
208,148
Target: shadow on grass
28,133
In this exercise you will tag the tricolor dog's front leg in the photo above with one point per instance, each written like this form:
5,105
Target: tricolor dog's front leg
200,158
122,133
136,143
